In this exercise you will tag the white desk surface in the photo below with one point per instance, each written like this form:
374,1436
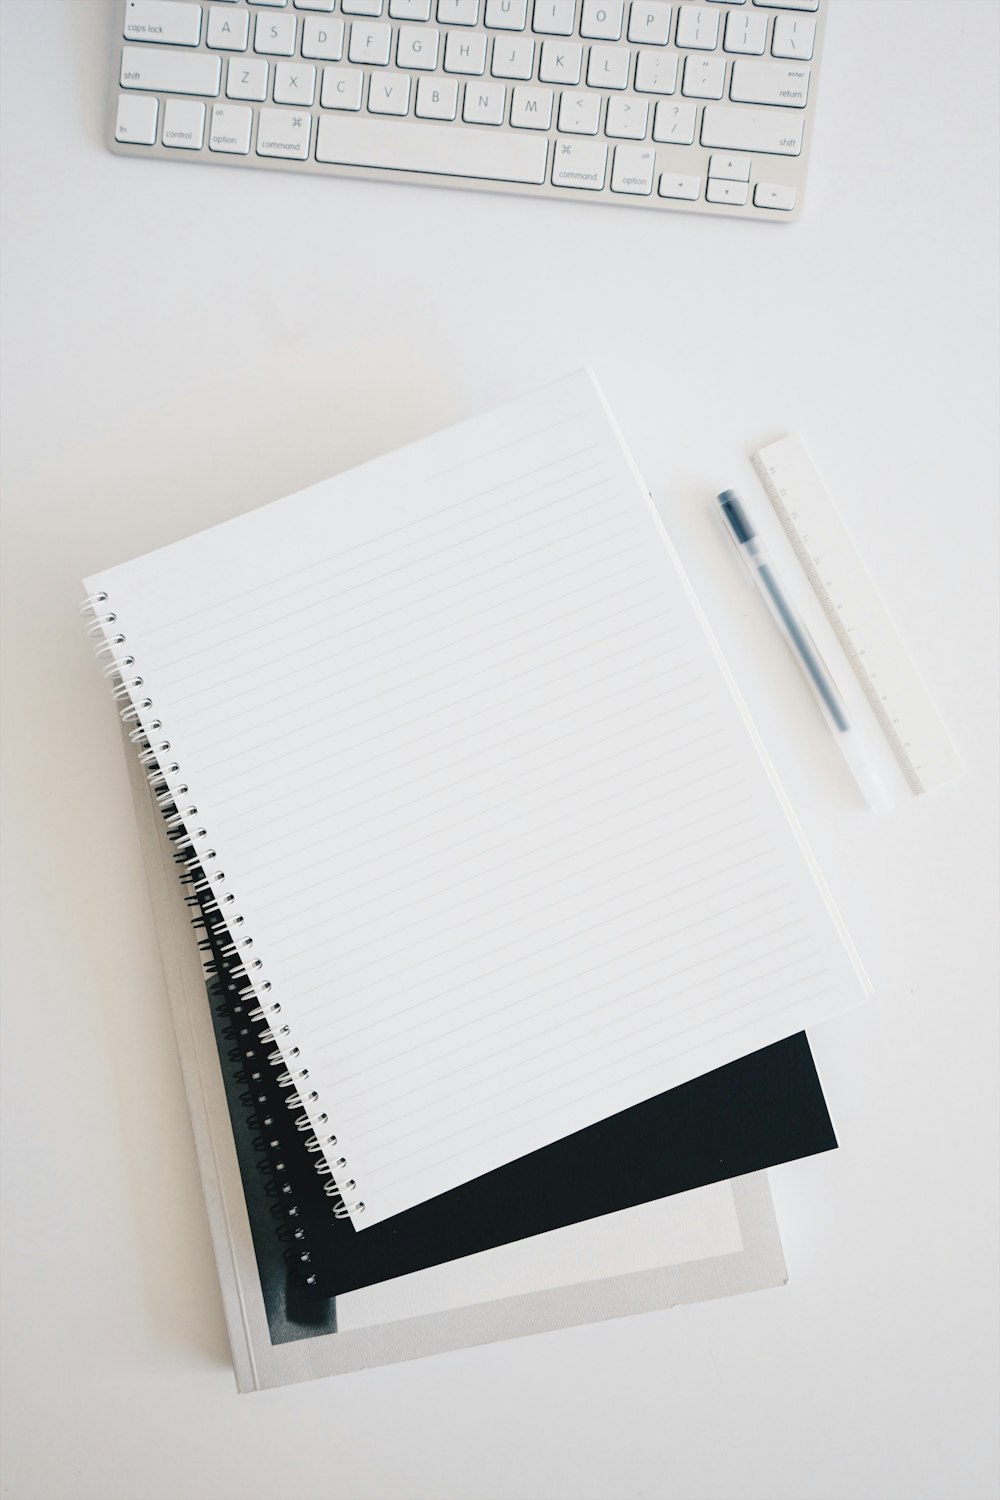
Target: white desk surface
185,343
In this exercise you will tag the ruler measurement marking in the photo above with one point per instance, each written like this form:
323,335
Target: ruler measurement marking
907,755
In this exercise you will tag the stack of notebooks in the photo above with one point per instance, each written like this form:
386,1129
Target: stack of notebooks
489,934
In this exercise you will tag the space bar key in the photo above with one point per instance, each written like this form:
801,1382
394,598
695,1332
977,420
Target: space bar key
447,149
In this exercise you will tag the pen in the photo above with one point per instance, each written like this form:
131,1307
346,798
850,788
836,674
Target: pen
743,532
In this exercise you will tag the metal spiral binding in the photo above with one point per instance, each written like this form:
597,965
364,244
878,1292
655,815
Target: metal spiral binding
207,894
243,1049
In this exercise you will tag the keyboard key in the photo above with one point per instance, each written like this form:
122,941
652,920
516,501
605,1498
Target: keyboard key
458,12
371,42
361,7
579,114
704,77
745,32
341,88
230,130
313,4
553,17
294,83
561,62
735,168
697,26
674,123
284,133
275,35
719,191
649,23
769,83
322,39
452,151
602,19
437,98
417,47
268,2
679,185
136,119
170,72
774,195
484,103
580,164
789,4
465,53
531,109
793,37
228,28
410,10
389,94
513,57
655,72
184,124
633,169
773,132
627,119
507,15
165,21
246,80
607,68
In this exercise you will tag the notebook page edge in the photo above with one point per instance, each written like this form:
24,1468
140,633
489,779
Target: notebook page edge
741,704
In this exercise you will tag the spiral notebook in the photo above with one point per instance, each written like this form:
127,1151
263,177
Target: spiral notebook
449,745
717,1241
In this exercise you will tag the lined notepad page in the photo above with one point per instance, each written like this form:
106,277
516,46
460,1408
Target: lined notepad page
480,787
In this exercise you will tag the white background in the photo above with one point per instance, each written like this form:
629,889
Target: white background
185,343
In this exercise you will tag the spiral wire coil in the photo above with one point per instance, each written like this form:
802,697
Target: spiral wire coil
226,951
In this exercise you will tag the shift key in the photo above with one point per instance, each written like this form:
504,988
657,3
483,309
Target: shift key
773,132
170,72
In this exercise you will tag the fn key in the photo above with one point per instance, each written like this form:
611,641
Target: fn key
136,119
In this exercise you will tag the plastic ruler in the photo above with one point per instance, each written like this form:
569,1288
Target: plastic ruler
871,643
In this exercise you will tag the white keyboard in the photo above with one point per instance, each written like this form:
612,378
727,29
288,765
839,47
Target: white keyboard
706,108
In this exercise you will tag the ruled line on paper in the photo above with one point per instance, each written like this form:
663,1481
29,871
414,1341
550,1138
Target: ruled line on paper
317,643
349,1059
644,1051
530,1039
369,542
464,699
468,677
215,643
623,828
316,864
480,776
485,914
622,665
426,536
183,698
534,1119
285,673
503,885
489,850
479,653
377,581
488,973
567,980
